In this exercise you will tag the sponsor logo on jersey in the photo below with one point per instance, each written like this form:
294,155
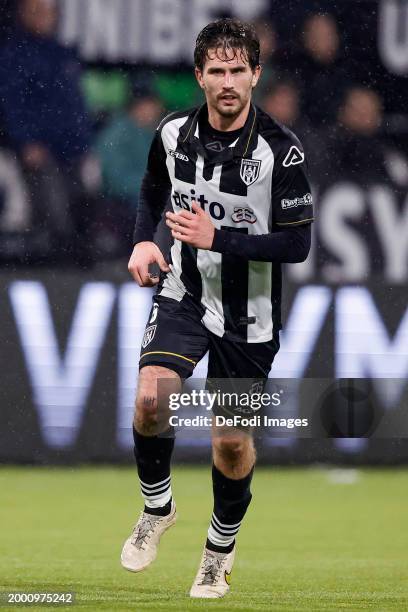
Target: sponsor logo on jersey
249,171
148,335
305,200
215,146
243,213
178,155
182,200
294,156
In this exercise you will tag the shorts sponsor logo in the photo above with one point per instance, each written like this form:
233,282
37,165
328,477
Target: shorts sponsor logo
249,171
257,387
148,335
243,213
294,156
305,200
178,155
154,313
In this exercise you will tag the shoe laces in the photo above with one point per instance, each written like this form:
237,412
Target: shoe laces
211,567
143,529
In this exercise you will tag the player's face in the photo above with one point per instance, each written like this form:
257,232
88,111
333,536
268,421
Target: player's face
227,80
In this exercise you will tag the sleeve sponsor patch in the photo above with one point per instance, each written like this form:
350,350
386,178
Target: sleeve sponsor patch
305,200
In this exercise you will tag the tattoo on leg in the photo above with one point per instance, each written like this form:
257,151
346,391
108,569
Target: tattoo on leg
149,401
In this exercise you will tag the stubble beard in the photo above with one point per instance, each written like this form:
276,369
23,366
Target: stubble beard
229,112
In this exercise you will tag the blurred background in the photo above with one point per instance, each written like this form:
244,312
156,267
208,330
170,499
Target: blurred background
83,86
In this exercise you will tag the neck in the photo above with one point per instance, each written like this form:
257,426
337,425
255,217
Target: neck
228,124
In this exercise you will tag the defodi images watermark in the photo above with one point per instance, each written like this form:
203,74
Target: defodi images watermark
306,408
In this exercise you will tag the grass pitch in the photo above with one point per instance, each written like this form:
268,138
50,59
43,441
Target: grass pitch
312,540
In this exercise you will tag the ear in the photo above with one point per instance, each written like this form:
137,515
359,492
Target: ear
199,77
256,75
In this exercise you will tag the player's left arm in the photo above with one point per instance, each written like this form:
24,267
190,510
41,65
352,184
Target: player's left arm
286,245
291,211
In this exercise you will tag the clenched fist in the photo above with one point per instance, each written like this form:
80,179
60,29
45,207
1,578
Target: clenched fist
146,253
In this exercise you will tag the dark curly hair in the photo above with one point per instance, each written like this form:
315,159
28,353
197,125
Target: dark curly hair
227,34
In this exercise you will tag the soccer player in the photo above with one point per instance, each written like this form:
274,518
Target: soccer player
241,206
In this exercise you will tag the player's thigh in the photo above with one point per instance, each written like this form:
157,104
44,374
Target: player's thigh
174,337
237,371
235,360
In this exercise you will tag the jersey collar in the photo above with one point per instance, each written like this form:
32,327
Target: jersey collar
246,142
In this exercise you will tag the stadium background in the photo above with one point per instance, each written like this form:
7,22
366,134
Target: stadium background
71,320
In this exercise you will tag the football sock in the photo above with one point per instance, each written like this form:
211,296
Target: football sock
153,455
231,500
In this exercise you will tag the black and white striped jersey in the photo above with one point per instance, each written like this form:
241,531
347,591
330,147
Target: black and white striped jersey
253,190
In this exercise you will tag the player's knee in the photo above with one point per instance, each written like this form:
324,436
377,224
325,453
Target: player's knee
151,405
231,447
146,418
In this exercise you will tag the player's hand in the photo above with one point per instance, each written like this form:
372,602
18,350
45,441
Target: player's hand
195,228
146,253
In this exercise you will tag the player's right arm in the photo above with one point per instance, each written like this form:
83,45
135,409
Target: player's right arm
154,194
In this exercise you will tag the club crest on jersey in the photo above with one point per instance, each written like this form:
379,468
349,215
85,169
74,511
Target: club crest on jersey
294,156
249,171
148,335
243,213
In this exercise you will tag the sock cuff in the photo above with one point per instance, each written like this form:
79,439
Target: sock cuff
165,435
224,548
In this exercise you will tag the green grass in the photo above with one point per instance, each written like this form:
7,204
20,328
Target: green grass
306,543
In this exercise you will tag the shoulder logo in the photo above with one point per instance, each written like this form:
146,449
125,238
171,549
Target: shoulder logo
178,155
148,335
243,213
249,171
294,156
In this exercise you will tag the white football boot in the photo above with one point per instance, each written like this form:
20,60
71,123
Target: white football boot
214,575
140,549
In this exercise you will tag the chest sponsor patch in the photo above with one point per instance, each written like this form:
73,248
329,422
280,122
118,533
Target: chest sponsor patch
249,171
243,213
305,200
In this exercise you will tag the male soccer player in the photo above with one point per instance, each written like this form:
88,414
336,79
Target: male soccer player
241,207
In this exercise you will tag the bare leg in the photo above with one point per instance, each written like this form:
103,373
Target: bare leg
233,452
